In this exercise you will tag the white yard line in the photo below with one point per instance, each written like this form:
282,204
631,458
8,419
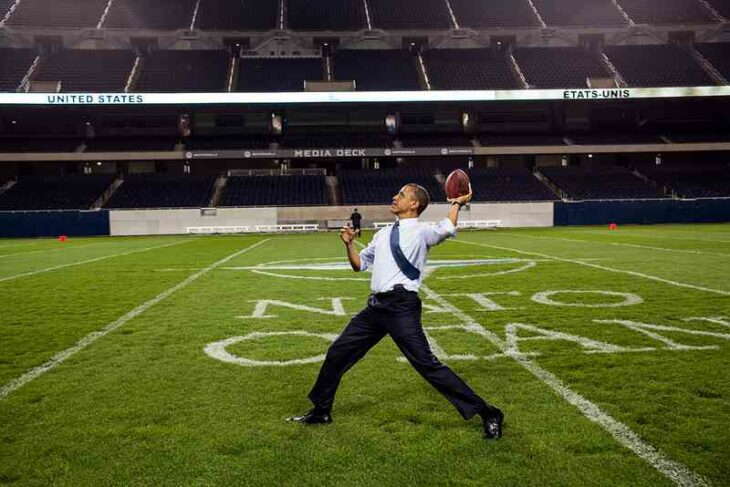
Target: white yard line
88,261
636,246
675,471
597,266
59,358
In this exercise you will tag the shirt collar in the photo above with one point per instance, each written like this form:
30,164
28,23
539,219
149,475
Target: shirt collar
407,221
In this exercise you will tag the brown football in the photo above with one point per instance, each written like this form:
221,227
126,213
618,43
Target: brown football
457,184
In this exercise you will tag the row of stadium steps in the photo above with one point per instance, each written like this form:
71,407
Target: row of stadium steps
438,69
354,15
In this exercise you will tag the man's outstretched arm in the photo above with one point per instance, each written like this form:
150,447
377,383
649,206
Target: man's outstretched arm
456,204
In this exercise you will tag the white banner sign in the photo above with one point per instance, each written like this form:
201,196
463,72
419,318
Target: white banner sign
354,96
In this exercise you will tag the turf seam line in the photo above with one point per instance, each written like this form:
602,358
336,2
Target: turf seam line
89,261
643,234
597,266
623,244
675,471
60,357
2,256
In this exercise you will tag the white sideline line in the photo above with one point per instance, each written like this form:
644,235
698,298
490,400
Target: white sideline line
636,246
59,358
675,471
88,261
609,269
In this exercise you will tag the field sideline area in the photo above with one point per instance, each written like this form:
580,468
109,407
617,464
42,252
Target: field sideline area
175,361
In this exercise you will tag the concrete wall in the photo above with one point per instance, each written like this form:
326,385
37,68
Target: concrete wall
168,222
511,214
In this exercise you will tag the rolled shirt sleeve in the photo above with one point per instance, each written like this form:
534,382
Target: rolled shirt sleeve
367,255
435,234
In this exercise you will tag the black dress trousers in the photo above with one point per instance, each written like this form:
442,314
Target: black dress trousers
396,313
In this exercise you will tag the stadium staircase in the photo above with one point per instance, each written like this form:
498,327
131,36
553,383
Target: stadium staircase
134,74
29,74
7,185
334,197
517,72
217,192
550,185
101,201
232,76
422,72
618,79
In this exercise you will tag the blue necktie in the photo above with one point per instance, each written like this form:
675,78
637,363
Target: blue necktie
410,271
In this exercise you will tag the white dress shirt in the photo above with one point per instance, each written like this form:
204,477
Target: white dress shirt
415,240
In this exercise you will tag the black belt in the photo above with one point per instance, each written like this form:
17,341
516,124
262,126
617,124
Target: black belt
375,298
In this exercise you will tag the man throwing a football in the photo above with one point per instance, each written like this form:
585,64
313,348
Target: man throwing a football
397,256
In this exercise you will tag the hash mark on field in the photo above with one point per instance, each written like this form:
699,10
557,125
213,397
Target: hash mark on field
677,472
636,246
609,269
59,358
89,261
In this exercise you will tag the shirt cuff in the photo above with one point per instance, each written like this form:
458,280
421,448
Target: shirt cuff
449,227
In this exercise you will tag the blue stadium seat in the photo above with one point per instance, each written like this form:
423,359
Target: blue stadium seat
14,64
275,191
395,70
238,15
54,193
184,71
162,191
600,183
58,13
657,65
83,70
278,74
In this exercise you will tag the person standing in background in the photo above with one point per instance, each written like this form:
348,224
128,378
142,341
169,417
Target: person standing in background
356,219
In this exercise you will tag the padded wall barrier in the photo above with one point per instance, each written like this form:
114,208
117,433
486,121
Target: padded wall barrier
53,223
642,212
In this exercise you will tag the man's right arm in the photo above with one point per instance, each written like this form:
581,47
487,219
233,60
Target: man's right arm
358,261
353,256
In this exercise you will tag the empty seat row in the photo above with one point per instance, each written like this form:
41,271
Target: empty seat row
397,70
275,191
508,185
54,193
692,180
162,191
341,15
601,183
378,187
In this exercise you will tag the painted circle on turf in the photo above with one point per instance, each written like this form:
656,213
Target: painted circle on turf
547,297
218,350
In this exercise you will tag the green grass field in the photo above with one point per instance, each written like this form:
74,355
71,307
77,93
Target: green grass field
171,361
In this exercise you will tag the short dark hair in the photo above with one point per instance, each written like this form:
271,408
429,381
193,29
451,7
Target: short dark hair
421,195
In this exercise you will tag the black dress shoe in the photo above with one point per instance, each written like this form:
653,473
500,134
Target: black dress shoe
312,417
493,424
